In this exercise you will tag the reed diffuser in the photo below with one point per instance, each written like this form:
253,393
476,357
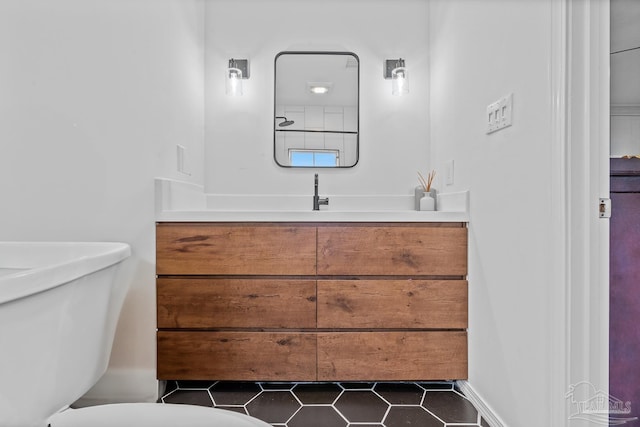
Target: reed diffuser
427,201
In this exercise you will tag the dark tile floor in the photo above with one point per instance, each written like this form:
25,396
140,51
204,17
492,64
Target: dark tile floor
429,404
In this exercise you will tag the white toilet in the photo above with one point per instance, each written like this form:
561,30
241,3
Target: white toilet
59,305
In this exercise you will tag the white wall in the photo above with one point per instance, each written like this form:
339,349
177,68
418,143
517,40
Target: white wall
94,96
480,52
394,139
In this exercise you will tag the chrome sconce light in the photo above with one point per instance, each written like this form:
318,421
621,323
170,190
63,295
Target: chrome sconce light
237,71
395,70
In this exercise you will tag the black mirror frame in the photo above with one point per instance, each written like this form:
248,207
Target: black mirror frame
311,52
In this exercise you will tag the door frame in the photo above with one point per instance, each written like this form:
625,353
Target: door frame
579,324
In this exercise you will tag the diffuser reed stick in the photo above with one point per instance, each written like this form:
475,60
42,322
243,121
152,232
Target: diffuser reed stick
426,183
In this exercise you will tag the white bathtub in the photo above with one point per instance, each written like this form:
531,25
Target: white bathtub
27,268
58,311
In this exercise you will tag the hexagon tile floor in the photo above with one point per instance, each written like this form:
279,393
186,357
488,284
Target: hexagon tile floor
436,404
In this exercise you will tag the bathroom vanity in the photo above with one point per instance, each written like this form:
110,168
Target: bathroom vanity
312,301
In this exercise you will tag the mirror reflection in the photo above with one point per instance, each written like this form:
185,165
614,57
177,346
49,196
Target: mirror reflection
316,109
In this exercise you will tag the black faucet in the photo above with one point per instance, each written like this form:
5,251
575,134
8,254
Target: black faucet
317,201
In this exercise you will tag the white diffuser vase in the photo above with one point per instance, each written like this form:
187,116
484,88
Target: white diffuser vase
427,202
428,198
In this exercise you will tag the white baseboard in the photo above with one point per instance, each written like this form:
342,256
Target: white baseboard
483,408
122,386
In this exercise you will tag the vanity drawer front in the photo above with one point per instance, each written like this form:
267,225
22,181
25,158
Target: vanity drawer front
235,249
236,303
238,356
389,304
392,356
393,250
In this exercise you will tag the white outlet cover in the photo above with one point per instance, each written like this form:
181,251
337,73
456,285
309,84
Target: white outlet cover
181,153
499,114
448,177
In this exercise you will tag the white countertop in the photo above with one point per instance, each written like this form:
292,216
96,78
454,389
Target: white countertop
178,201
311,216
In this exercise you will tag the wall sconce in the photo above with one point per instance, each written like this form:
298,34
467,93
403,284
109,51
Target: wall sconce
395,70
237,71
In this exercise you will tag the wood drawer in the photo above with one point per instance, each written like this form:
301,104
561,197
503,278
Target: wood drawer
235,249
392,356
393,250
422,304
241,356
236,303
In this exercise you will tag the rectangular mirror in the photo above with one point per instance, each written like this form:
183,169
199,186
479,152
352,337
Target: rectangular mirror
316,112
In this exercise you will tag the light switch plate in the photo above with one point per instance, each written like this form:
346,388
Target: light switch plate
500,114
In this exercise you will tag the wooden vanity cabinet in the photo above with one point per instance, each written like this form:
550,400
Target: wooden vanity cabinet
312,302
